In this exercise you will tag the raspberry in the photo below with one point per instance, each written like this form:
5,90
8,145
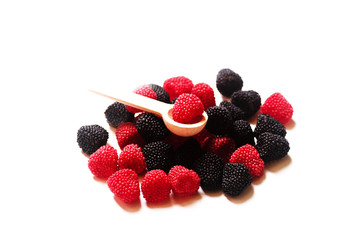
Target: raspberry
91,137
266,123
131,157
227,82
103,162
187,153
248,101
242,133
236,178
278,107
235,112
272,147
177,85
248,156
125,185
151,127
209,167
158,155
188,108
205,93
221,146
202,136
155,186
161,94
127,134
184,182
219,120
143,90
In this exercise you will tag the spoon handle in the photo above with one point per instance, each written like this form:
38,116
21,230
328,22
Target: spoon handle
138,101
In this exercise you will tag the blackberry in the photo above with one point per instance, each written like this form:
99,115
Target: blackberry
219,121
209,167
91,137
236,178
151,127
266,123
242,133
161,94
158,155
248,101
187,153
117,114
227,82
272,147
235,112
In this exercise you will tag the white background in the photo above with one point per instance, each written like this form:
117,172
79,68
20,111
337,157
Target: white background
51,52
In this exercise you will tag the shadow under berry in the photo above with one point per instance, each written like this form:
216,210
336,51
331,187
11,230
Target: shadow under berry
276,166
129,207
243,197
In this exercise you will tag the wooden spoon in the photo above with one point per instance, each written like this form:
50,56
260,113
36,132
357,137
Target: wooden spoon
161,109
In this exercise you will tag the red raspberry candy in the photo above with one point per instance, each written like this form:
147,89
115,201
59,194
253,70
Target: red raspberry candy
188,108
131,157
277,107
202,137
125,185
103,162
205,93
143,90
177,85
221,146
127,134
248,156
184,182
155,186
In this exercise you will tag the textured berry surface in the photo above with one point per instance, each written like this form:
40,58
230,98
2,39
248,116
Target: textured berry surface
242,133
177,85
158,155
103,162
236,178
221,146
145,91
117,114
188,108
125,185
127,134
248,156
161,94
91,137
219,120
151,127
155,186
187,153
278,107
235,112
272,146
205,93
209,168
266,123
248,101
131,157
184,182
227,82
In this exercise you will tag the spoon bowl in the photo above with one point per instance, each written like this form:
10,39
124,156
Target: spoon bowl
163,110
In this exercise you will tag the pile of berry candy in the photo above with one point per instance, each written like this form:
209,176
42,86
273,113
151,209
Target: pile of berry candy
227,155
